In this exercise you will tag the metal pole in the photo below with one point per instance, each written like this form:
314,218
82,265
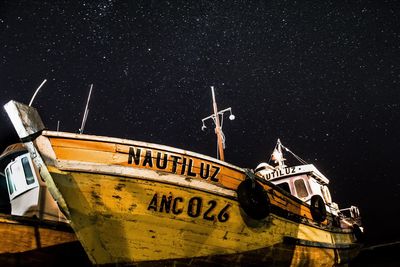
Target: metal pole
217,127
85,114
37,90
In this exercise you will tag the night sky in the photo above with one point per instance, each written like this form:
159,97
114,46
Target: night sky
324,76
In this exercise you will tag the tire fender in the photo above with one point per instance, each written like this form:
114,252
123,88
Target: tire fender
253,199
317,208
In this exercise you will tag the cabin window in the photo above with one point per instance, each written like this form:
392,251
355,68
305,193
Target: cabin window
20,176
10,184
27,171
284,186
300,188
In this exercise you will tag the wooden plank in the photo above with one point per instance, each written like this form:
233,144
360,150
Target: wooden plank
19,237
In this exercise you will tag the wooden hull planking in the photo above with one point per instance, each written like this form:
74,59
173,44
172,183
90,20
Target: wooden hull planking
30,242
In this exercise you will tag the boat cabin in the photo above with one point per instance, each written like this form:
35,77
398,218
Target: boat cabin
27,192
302,181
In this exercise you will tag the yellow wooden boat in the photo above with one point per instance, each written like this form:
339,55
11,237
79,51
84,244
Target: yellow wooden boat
136,202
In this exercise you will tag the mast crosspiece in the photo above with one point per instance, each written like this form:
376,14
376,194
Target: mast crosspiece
218,119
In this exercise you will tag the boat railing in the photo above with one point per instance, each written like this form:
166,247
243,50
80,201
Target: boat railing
351,215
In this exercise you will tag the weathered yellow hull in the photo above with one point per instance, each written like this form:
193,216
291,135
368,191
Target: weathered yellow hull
125,220
30,242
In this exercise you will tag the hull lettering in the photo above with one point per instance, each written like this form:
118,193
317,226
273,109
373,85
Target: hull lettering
182,165
278,173
194,207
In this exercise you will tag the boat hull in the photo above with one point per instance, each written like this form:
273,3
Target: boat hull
30,242
136,220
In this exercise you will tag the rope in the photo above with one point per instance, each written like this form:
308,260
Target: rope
297,157
302,161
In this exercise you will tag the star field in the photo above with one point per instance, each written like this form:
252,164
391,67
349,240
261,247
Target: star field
323,77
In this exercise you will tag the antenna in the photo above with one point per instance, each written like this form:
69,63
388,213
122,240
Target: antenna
58,126
218,118
85,114
37,91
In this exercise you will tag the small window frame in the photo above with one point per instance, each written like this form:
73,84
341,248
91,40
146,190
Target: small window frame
10,185
18,180
297,189
27,168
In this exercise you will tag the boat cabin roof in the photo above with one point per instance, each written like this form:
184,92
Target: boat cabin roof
11,152
310,169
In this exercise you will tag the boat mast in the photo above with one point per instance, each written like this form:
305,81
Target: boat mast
218,121
218,130
278,155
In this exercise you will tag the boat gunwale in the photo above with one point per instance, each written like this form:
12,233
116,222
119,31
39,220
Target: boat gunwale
132,176
123,141
308,243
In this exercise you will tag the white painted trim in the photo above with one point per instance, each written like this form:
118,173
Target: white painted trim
144,174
